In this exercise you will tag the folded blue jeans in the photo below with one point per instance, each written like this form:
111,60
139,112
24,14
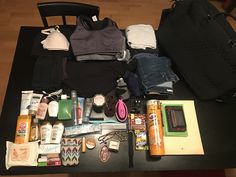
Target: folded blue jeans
154,71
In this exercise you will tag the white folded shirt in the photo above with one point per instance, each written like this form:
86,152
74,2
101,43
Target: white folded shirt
141,36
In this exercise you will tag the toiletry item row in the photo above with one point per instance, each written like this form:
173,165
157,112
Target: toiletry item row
30,130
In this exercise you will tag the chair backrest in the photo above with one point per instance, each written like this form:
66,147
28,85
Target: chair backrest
63,9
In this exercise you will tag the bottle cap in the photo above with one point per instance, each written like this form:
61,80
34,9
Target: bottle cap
99,100
46,123
73,94
64,97
44,100
58,122
98,103
152,102
35,120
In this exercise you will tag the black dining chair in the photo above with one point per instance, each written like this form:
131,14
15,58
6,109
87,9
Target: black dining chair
63,9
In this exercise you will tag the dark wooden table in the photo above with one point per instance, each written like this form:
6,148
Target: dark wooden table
216,121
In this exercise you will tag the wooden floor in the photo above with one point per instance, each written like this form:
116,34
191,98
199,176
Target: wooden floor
16,13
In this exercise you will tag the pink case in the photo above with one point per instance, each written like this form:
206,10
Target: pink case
121,111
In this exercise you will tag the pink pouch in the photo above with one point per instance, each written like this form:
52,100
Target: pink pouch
121,111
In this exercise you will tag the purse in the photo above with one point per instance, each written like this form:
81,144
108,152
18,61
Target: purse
202,46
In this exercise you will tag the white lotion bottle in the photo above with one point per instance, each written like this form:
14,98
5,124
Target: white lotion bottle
45,132
53,108
57,131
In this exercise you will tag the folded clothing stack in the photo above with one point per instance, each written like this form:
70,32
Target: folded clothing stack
153,75
141,36
97,40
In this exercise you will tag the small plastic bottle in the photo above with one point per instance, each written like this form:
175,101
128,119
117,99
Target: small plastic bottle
34,130
42,109
57,131
53,107
46,131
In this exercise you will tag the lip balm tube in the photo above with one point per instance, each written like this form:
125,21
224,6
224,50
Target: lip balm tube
83,145
26,97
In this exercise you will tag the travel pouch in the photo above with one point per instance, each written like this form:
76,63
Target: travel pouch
70,151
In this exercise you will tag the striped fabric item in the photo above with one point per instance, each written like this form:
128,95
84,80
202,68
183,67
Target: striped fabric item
70,151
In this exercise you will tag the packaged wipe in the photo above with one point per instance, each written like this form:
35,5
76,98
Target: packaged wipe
25,154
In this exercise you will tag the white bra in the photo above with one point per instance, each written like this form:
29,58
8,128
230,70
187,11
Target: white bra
55,40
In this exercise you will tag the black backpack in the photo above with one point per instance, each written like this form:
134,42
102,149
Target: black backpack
202,46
